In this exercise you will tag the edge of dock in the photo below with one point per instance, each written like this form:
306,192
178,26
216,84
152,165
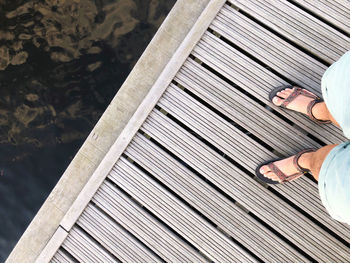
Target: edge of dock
147,70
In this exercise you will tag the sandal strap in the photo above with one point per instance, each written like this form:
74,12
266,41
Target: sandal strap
297,91
287,178
282,176
309,111
296,159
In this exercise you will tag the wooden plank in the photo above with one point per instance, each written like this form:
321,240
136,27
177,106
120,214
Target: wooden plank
143,226
227,216
208,124
298,26
114,238
52,246
255,118
62,257
84,249
335,12
141,113
192,227
302,232
258,81
233,143
338,6
267,47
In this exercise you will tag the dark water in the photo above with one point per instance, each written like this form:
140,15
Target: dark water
61,63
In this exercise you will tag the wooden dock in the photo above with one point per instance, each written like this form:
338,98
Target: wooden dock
178,185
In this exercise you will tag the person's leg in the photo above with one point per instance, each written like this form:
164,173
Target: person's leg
334,183
321,112
312,161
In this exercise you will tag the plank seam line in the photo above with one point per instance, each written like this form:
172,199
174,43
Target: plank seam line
313,219
327,40
138,149
206,142
160,127
132,236
84,220
271,189
227,118
145,209
82,248
195,210
126,168
69,254
66,253
319,18
281,36
252,57
231,21
195,53
96,242
226,156
104,196
258,101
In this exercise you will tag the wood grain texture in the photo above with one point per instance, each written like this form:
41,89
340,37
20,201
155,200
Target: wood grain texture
113,237
335,12
179,184
259,81
248,153
61,257
209,202
85,249
141,224
241,187
298,26
192,227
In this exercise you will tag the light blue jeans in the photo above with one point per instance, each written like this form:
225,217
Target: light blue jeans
334,183
334,177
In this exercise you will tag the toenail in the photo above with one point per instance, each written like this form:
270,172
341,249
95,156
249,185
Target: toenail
275,100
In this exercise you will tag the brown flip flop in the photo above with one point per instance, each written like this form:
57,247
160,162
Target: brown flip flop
299,91
283,177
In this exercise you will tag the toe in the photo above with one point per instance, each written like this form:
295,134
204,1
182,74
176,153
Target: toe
264,169
272,176
283,94
277,101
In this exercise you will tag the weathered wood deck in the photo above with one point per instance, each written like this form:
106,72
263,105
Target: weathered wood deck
178,185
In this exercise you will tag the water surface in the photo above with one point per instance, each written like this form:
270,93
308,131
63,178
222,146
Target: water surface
61,63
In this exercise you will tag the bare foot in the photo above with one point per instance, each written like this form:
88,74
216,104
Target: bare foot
286,166
300,103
